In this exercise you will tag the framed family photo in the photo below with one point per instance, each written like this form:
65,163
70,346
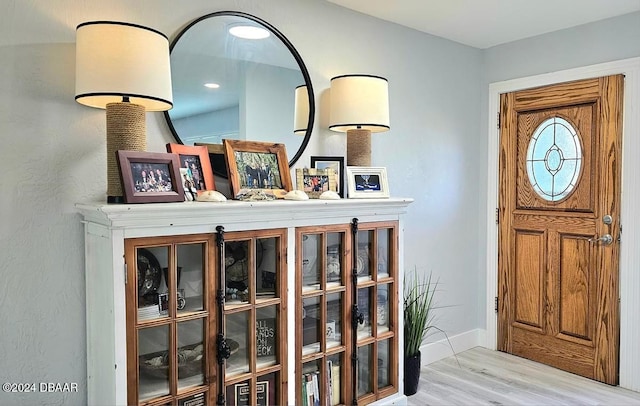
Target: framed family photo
149,177
367,182
315,181
196,164
257,166
335,164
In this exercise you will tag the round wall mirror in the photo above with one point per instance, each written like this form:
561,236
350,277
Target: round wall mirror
236,76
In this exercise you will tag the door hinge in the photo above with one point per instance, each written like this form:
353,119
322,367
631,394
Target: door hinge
620,233
498,120
497,215
125,273
496,304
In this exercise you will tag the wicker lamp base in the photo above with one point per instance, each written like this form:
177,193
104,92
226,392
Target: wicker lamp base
126,130
359,147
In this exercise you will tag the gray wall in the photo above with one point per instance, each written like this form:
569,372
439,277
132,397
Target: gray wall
603,41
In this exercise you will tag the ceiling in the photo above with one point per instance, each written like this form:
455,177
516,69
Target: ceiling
486,23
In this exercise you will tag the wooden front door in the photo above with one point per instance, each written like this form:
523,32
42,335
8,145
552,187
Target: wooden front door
560,151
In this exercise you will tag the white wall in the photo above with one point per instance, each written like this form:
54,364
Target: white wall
52,155
210,127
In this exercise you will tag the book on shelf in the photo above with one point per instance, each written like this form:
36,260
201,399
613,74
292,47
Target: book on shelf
327,384
316,389
335,385
305,401
311,395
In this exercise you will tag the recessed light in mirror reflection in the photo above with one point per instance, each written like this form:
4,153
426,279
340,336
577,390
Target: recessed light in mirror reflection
212,85
248,32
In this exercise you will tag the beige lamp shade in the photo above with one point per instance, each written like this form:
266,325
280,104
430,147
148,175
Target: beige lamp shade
359,102
359,106
116,60
301,106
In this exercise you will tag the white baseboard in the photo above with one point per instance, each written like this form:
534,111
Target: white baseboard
438,350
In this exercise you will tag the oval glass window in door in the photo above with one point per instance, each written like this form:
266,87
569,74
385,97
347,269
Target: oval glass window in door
554,159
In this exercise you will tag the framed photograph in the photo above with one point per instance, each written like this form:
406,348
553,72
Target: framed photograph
315,181
266,333
335,164
150,177
216,157
195,159
257,166
190,192
241,394
367,182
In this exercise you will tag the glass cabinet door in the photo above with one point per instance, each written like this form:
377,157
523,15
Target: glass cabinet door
189,278
378,301
254,320
237,332
151,286
154,361
321,286
168,314
190,356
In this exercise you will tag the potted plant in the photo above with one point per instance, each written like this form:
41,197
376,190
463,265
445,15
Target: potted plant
419,322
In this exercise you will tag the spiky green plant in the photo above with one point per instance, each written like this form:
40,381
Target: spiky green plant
419,318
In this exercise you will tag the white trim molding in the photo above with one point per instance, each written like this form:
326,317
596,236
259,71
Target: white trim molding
441,349
630,213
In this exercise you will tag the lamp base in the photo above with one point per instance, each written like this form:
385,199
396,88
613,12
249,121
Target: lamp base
126,130
359,147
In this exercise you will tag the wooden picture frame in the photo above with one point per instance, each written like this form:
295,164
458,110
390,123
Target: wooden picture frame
335,163
150,177
196,160
216,157
257,166
367,182
315,181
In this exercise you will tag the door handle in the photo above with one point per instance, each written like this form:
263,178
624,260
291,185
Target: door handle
605,239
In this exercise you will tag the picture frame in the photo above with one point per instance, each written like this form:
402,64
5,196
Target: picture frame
196,160
150,177
190,192
216,158
257,166
315,181
336,163
367,182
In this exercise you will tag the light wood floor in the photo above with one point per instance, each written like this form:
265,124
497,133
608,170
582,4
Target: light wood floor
487,377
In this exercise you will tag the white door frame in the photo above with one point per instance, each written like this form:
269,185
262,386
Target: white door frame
630,205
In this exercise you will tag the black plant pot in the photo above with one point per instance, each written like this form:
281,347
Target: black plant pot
411,374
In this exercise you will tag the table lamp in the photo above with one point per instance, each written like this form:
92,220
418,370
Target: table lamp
301,109
123,68
359,106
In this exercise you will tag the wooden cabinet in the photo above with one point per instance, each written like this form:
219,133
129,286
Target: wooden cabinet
188,303
347,299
